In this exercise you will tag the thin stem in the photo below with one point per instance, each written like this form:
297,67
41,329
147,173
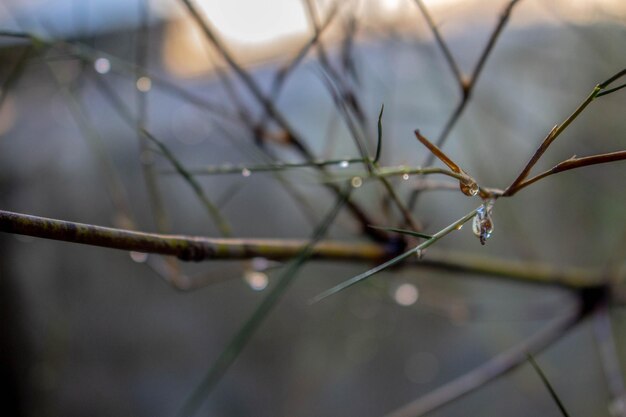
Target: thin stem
490,370
194,248
556,132
414,251
361,216
246,331
125,114
548,385
607,348
469,85
454,67
567,165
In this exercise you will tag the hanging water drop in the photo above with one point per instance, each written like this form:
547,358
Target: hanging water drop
246,172
405,176
482,224
344,164
419,253
469,187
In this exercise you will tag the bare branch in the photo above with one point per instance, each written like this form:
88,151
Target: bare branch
492,369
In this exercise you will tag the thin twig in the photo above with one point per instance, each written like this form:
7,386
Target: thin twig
269,107
491,370
607,348
193,248
557,131
468,86
548,385
454,67
571,163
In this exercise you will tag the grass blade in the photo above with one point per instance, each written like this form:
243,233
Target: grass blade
245,332
547,384
416,250
403,231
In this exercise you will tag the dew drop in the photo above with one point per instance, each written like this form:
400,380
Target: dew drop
405,177
469,188
256,280
406,294
344,164
138,257
102,65
419,254
246,172
356,182
144,84
459,227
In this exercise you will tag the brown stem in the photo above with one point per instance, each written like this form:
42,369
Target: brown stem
567,165
492,369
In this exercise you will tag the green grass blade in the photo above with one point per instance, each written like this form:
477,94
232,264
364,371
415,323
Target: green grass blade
379,143
416,250
245,332
402,231
547,384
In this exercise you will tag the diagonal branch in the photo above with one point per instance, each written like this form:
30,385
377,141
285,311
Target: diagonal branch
469,85
571,163
558,130
492,369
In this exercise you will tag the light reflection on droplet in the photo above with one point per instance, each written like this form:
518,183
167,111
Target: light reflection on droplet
144,84
419,254
102,65
344,164
405,177
356,182
459,227
256,280
138,257
406,294
246,172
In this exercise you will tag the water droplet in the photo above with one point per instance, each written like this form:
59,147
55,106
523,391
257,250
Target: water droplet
344,164
246,172
405,176
419,254
138,257
102,65
356,182
469,187
144,84
256,280
459,227
406,294
482,224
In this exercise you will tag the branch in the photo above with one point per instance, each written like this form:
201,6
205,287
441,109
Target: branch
454,67
191,248
556,132
571,163
492,369
467,86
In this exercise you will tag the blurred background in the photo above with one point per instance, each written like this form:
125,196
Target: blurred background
94,331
